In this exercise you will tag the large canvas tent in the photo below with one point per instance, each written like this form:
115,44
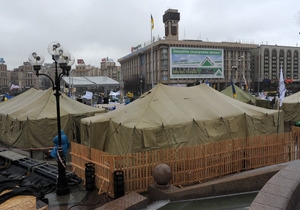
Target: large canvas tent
166,117
29,119
291,108
245,97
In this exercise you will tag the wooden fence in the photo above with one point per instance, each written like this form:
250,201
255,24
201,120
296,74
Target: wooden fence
189,165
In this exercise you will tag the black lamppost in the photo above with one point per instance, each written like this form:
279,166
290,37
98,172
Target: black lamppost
64,61
141,85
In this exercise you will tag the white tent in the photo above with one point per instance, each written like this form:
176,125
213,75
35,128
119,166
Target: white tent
91,81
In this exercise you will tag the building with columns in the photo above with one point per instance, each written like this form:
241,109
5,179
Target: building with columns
267,60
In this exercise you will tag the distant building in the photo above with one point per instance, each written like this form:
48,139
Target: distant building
171,61
109,69
267,61
158,63
24,76
82,69
4,78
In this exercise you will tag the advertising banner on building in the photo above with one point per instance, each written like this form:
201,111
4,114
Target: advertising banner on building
196,63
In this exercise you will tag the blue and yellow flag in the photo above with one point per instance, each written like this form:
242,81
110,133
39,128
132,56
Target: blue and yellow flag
152,23
233,90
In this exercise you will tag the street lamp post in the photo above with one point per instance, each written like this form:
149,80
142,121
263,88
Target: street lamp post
64,61
241,70
141,85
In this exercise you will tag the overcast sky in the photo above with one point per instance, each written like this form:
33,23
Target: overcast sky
95,29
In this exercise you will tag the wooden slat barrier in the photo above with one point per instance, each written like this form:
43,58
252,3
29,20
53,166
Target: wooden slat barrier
189,165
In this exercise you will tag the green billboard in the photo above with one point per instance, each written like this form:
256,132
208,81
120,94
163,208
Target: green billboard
196,63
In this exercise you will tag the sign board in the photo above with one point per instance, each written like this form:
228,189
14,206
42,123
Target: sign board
103,60
136,47
196,63
80,61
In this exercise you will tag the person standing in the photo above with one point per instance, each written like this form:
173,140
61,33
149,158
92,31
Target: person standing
100,99
65,144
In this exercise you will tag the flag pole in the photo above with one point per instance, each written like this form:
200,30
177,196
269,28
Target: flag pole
233,89
278,119
282,91
152,74
151,62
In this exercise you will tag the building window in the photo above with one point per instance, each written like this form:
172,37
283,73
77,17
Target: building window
164,64
164,77
295,64
164,53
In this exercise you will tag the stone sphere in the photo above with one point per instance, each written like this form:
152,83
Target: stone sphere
162,174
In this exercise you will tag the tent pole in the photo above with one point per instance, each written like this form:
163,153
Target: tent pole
278,119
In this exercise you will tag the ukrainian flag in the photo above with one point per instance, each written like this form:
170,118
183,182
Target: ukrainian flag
152,23
233,90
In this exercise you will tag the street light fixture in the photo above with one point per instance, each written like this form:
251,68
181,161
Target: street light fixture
64,60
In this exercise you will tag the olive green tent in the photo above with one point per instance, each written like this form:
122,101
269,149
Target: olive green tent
167,116
245,97
291,108
29,119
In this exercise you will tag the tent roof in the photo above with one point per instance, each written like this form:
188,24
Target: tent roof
168,116
294,98
241,95
166,105
291,107
90,81
38,104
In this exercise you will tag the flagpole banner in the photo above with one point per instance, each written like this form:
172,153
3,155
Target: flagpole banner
196,63
14,87
233,90
282,89
152,23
